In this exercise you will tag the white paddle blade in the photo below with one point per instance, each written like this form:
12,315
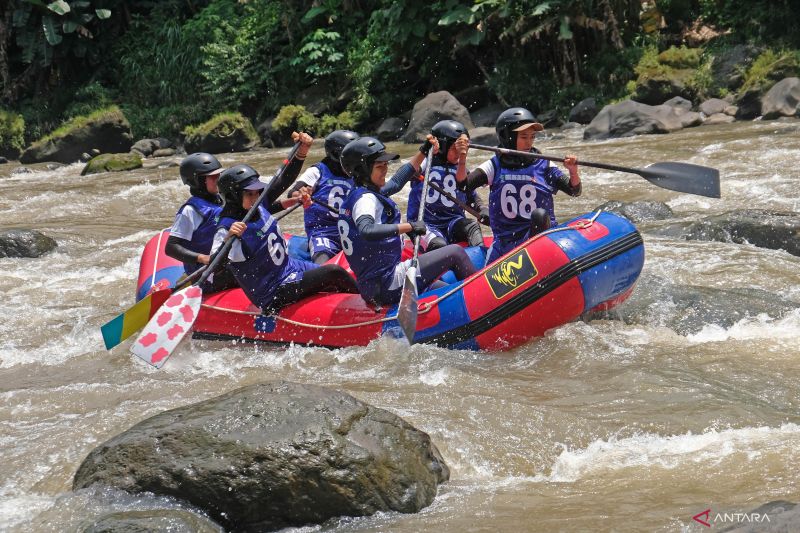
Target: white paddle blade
166,329
407,308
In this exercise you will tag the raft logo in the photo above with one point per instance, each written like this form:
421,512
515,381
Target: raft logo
510,273
705,518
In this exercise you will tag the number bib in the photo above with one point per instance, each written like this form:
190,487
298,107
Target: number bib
332,190
514,194
267,263
439,209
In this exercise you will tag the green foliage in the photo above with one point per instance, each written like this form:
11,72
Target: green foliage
110,113
163,121
12,133
321,54
769,67
221,125
67,27
297,118
89,98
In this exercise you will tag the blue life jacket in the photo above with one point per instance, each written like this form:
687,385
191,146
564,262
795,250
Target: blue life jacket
203,236
369,260
268,264
332,190
514,194
440,211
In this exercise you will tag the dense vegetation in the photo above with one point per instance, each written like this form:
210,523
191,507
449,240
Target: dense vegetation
172,63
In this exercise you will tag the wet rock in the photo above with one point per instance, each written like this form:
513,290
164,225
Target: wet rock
638,212
767,229
783,517
691,119
159,520
226,132
727,66
107,131
487,116
112,163
164,152
748,104
713,106
583,112
434,107
390,129
680,104
266,133
145,147
273,455
687,309
782,99
632,118
486,136
3,160
24,243
21,170
718,118
731,110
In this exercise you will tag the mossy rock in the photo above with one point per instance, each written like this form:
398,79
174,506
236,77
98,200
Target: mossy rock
680,58
112,163
12,134
769,68
225,132
106,130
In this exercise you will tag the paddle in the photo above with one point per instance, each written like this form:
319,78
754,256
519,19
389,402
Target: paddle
407,308
136,317
681,177
468,208
166,329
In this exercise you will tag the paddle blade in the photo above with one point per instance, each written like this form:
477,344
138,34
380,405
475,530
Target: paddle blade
133,319
407,308
168,326
684,177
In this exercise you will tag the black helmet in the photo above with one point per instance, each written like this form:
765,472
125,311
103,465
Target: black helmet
509,121
337,140
447,131
359,156
194,169
233,182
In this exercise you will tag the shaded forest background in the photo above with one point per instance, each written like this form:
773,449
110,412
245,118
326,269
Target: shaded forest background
173,63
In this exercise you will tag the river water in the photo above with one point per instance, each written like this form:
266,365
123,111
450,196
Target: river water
597,426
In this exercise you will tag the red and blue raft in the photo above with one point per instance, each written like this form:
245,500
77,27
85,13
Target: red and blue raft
589,263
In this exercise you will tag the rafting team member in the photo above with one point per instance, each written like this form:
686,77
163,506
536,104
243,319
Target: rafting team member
521,188
444,218
259,259
192,233
330,185
370,230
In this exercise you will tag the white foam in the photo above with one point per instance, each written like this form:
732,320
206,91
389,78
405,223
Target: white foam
676,451
435,378
760,327
15,510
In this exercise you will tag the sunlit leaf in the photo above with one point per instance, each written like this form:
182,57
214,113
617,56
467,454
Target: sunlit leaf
312,13
103,14
60,7
541,9
564,32
69,26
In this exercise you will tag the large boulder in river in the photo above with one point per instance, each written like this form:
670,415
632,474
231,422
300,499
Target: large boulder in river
112,163
225,132
633,118
782,100
637,212
390,129
106,130
584,111
430,110
24,243
687,309
767,229
144,521
274,455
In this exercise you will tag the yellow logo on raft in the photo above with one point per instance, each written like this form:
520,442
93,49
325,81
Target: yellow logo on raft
510,273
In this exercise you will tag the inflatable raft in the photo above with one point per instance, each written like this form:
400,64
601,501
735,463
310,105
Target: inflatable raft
591,262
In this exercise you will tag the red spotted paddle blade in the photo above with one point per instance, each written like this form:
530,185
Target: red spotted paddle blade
166,329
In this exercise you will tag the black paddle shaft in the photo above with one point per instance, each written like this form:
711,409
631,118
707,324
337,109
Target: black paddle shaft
226,247
681,177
